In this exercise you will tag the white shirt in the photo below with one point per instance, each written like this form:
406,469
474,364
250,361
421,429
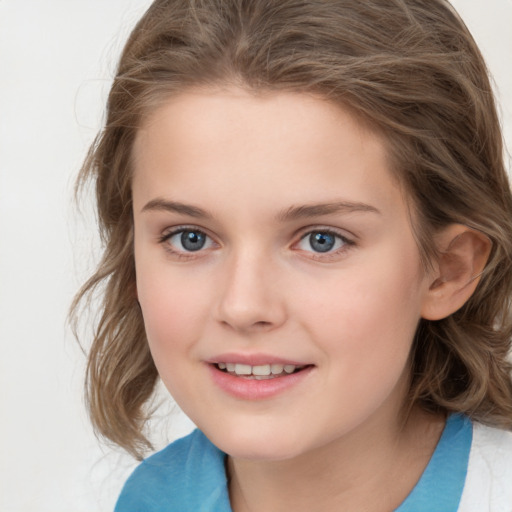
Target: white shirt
488,486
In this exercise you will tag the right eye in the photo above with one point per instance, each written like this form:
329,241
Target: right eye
323,241
187,240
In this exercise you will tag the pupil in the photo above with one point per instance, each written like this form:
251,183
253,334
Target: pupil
321,242
192,240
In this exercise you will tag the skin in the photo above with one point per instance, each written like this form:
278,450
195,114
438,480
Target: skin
337,437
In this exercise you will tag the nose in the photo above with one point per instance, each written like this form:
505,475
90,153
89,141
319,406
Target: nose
251,298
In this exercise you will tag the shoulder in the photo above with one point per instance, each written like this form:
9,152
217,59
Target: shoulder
488,485
186,475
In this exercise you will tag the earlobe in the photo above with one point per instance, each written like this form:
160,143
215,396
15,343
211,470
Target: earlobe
463,254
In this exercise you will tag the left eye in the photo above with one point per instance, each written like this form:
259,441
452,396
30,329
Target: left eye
189,240
321,241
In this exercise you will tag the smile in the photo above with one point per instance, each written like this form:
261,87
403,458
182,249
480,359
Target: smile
258,381
259,372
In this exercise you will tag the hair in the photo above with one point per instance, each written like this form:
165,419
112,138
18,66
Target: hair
409,68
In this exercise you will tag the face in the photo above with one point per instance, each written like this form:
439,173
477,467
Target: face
277,273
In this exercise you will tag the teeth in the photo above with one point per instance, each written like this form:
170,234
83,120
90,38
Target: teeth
243,369
276,368
263,370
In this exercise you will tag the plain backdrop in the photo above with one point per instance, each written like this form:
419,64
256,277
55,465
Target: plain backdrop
57,58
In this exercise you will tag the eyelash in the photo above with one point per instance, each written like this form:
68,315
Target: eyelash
183,255
346,243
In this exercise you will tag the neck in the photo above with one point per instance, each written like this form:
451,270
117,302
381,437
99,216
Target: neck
371,469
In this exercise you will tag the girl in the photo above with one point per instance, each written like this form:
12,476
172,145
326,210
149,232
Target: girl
308,238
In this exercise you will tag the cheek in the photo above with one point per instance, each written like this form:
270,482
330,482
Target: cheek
365,334
367,314
174,319
174,312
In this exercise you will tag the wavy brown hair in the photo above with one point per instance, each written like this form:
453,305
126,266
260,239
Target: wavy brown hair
411,69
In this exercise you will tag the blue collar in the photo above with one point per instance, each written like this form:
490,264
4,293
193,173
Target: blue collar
189,475
441,485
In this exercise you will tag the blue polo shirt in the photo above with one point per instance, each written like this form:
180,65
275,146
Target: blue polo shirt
189,476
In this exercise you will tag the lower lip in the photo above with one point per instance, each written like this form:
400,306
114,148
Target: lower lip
252,389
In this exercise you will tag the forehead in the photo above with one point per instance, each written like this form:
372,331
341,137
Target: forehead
289,146
242,112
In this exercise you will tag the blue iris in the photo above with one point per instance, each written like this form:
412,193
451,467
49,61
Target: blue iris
321,241
193,240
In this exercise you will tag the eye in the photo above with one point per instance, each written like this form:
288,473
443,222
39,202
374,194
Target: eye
188,240
322,241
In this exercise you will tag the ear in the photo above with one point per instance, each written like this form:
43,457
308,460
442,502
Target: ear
463,255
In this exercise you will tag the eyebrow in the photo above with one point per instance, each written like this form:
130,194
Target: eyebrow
317,210
289,214
160,204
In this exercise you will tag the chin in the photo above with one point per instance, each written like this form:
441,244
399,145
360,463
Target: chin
256,444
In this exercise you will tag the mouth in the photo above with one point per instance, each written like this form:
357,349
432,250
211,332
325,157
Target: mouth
259,372
253,377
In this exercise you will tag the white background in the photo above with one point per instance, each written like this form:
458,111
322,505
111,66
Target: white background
56,60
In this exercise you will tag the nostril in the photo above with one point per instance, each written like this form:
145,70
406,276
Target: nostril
262,324
259,325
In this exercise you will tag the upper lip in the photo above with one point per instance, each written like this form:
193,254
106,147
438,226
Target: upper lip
253,359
